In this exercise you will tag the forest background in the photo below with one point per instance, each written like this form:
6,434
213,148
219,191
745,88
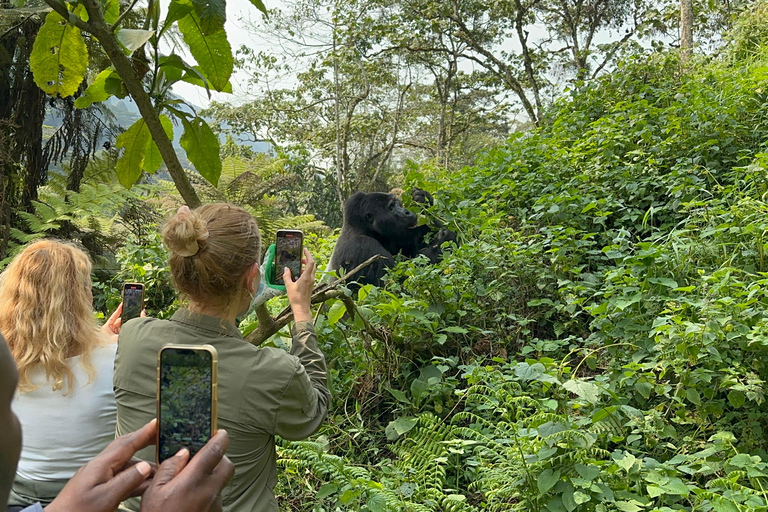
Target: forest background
596,341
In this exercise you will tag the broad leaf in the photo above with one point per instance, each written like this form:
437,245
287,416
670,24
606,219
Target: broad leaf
211,51
133,39
59,57
212,14
586,390
202,148
177,9
153,160
130,164
336,312
547,479
111,10
97,91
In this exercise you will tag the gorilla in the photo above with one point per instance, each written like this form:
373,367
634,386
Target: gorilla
377,223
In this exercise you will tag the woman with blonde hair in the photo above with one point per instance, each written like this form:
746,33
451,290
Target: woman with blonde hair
263,391
65,403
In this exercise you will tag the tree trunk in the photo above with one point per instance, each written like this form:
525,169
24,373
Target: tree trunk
686,29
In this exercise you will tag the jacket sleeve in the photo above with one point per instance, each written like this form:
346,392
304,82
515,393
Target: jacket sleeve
304,403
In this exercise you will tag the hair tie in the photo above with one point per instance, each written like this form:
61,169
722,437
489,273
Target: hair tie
192,248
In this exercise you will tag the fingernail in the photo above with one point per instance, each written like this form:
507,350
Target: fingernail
144,468
182,453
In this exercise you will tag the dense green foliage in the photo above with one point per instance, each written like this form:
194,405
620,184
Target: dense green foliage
597,341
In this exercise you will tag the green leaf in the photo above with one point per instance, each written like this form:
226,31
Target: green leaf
677,487
587,472
133,39
326,490
588,207
59,57
96,92
736,398
153,160
626,506
259,5
625,461
581,497
724,505
336,312
177,9
455,329
211,51
547,479
111,10
693,396
202,148
568,501
663,281
20,3
524,371
586,390
399,395
134,141
212,14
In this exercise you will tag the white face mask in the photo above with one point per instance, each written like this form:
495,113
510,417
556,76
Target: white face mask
254,296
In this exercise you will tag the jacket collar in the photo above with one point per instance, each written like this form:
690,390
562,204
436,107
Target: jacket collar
212,324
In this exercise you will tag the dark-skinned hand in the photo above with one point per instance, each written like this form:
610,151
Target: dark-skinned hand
191,485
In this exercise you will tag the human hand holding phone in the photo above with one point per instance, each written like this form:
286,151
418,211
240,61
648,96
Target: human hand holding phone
111,327
300,291
192,485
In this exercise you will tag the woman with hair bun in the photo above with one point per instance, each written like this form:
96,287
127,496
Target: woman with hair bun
263,391
65,403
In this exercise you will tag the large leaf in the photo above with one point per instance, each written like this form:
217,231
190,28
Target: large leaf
130,164
133,39
111,10
212,14
202,148
211,51
153,160
583,389
59,57
177,9
97,91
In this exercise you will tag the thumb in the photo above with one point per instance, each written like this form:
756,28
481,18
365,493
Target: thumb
171,467
120,487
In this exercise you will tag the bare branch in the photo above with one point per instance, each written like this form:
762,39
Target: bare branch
269,326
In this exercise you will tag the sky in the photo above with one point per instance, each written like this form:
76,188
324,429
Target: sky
238,12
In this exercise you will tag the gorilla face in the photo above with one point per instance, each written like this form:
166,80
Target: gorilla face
387,217
377,214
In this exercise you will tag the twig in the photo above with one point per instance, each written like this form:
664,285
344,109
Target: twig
269,326
123,15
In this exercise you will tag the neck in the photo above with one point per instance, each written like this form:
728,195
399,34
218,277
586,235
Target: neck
215,310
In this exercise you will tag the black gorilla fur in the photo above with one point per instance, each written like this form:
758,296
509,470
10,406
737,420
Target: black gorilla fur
377,223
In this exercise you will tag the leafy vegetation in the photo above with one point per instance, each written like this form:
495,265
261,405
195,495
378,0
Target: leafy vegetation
597,340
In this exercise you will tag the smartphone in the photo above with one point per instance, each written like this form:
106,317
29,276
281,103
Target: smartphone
288,251
187,398
133,301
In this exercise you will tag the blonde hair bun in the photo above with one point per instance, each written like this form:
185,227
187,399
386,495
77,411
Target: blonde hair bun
185,233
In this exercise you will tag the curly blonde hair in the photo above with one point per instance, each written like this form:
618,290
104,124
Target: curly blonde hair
46,312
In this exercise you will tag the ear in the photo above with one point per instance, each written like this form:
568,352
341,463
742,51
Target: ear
369,218
252,277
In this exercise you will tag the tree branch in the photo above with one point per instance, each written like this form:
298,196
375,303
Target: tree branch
269,326
123,15
68,15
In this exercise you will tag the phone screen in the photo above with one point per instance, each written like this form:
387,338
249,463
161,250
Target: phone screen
185,414
288,254
133,301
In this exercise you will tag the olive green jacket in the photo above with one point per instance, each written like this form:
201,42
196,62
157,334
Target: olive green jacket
263,391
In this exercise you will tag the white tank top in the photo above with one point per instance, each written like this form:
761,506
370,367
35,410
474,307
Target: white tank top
61,433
